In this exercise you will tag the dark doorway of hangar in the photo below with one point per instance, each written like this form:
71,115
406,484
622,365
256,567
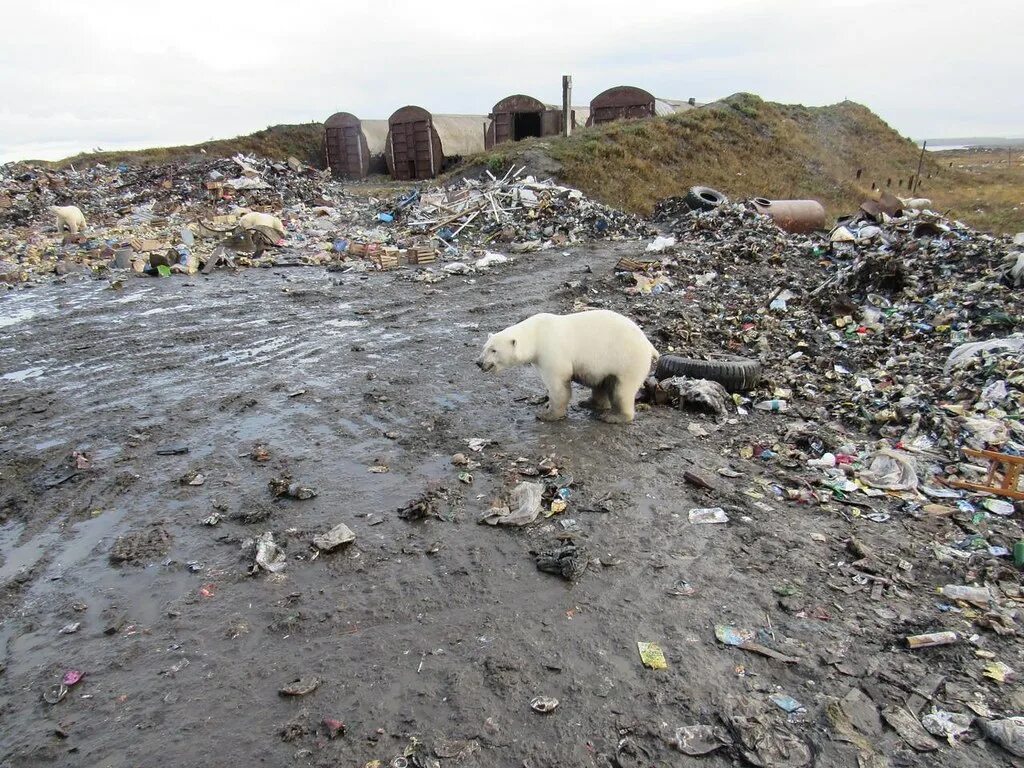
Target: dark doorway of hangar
525,125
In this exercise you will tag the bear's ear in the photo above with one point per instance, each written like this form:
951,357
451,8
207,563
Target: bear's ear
490,336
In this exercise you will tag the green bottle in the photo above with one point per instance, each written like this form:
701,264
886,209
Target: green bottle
1018,554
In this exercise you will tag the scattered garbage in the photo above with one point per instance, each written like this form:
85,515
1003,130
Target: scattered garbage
197,215
932,639
334,538
568,561
652,656
264,553
300,687
708,515
523,507
948,725
1007,733
285,487
746,639
544,704
701,739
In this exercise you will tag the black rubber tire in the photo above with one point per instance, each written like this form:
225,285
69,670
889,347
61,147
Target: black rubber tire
736,374
704,198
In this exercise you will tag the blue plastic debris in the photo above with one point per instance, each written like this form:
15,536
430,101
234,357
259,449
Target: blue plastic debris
786,703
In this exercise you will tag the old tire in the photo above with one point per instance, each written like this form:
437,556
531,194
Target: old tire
704,198
736,374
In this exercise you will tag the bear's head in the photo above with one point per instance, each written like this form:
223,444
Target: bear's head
500,352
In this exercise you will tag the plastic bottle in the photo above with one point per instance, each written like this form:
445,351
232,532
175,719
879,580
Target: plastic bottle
772,405
1018,554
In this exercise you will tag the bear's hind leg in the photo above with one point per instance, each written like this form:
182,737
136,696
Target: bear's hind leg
623,398
600,399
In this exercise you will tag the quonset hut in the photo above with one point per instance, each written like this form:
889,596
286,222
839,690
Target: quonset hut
625,102
355,148
419,143
519,117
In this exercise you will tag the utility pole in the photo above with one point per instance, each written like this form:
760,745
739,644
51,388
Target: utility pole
566,105
920,160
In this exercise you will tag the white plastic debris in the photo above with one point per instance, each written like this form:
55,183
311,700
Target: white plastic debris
707,516
267,555
660,243
965,352
890,471
523,507
490,259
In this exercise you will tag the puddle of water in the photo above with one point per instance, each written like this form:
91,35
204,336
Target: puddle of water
161,310
23,374
17,316
339,323
85,536
17,558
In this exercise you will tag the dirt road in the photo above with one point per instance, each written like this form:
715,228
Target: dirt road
438,631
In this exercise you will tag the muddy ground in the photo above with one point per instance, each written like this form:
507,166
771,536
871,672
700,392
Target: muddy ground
433,630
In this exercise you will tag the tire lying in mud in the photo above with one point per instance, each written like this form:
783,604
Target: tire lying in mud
736,374
704,198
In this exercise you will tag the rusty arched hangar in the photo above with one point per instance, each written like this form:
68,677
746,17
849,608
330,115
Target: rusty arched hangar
624,102
519,117
355,148
419,143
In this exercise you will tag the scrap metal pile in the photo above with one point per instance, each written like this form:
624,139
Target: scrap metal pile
184,217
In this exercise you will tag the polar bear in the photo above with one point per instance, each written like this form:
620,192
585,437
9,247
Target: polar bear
599,349
251,220
69,217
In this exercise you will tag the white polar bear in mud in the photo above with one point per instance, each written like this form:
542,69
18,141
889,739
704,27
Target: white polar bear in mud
599,349
69,217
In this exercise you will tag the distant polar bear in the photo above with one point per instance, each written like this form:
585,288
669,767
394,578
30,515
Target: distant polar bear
251,220
69,217
599,349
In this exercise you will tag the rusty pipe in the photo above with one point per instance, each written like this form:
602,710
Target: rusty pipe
796,216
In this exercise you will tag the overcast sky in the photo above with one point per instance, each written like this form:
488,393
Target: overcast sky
75,76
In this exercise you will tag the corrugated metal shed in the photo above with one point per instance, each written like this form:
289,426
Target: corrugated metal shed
628,102
418,143
354,147
519,117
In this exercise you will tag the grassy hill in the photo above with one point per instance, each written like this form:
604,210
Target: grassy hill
278,142
747,147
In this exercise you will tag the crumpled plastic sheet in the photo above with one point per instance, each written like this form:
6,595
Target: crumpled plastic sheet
524,506
890,471
966,352
985,432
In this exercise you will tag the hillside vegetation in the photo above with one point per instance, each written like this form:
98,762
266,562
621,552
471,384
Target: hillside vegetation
278,142
747,147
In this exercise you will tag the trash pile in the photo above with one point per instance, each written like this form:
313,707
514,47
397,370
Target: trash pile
524,212
187,216
859,332
891,399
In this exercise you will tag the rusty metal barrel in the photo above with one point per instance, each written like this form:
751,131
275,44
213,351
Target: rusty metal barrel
796,216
